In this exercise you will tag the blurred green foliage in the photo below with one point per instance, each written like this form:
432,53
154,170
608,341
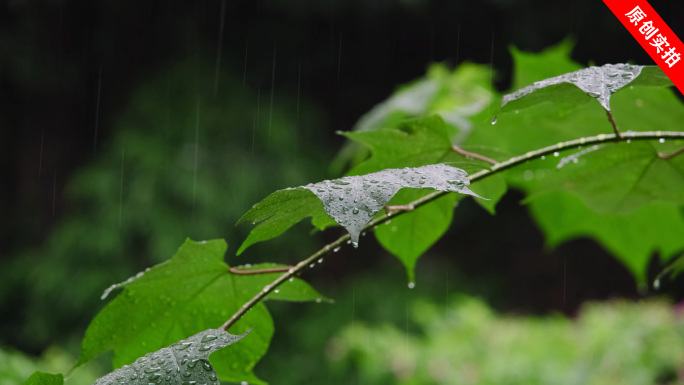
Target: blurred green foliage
468,343
182,162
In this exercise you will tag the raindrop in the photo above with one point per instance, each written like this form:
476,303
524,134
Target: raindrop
411,285
341,198
320,260
335,250
154,377
151,370
661,140
629,141
244,383
208,337
656,284
187,374
528,175
355,210
318,300
494,120
194,362
291,279
355,244
312,265
593,94
276,291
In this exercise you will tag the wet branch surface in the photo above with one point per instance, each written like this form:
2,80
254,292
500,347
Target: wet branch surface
497,167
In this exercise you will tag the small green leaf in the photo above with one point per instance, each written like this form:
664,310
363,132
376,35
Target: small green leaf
42,378
492,187
580,86
185,362
353,201
193,291
410,235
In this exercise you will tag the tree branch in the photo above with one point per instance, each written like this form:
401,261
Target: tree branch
618,136
496,168
235,270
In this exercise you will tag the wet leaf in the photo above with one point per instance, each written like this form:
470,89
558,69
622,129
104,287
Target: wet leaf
410,235
193,291
353,201
578,87
617,178
185,362
42,378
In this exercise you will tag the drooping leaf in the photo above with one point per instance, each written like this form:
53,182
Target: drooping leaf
193,291
353,201
632,238
579,87
618,178
185,362
42,378
408,236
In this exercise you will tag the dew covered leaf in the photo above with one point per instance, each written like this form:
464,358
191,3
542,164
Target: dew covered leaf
191,292
352,201
579,87
42,378
632,238
184,362
411,234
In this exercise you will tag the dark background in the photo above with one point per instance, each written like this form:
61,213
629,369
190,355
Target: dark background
69,70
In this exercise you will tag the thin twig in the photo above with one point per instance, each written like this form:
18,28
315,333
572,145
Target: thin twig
391,210
497,168
670,156
473,155
283,269
615,128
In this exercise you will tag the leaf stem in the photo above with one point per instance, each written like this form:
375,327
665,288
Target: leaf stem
615,128
496,168
671,155
473,155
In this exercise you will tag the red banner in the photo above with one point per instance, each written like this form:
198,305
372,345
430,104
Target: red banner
664,47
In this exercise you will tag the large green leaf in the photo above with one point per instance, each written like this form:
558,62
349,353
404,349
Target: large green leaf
618,178
193,291
411,234
633,238
42,378
579,87
185,362
353,201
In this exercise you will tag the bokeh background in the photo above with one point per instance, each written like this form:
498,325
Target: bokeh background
128,126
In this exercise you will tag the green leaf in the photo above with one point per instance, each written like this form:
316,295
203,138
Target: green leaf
493,187
353,201
531,67
185,362
579,87
42,378
410,235
618,178
416,143
633,238
454,95
193,291
280,211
